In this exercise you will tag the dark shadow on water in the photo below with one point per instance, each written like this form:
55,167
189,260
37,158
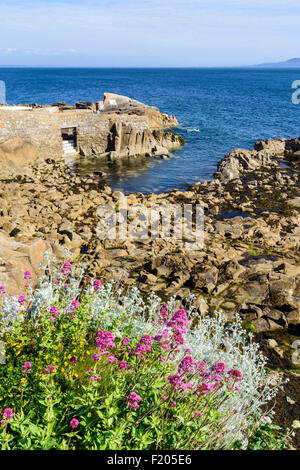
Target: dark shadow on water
127,174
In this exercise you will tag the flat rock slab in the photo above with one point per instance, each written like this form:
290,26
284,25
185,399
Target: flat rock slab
295,202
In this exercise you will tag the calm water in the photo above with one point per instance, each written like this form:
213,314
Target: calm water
231,107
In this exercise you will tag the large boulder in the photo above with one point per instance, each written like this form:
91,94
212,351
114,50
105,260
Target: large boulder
113,102
240,160
17,257
16,155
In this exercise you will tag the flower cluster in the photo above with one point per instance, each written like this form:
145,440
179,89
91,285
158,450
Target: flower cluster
54,313
22,299
133,400
7,414
175,381
74,423
49,369
27,366
187,364
93,376
104,341
97,285
66,270
143,347
123,365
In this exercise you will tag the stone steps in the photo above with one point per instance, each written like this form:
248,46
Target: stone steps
69,147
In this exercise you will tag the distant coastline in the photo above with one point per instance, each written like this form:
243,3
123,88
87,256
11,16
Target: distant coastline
290,63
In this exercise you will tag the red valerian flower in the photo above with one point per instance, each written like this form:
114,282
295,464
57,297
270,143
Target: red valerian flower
235,374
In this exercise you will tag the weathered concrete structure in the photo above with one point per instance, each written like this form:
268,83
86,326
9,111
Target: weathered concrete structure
115,127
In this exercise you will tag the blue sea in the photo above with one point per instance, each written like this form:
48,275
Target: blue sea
231,107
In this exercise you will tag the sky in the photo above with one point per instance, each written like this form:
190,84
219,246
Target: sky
148,33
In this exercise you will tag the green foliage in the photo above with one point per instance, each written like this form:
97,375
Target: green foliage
269,437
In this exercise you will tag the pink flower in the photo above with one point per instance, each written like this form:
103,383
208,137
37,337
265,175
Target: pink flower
73,359
146,339
126,341
164,397
187,364
219,367
218,378
49,369
123,365
133,399
74,423
67,267
96,357
21,299
204,388
97,285
75,305
3,422
54,310
163,314
27,367
158,338
140,350
8,413
2,290
174,381
27,275
87,280
186,386
93,378
179,318
201,366
111,359
174,403
178,338
235,374
52,319
105,340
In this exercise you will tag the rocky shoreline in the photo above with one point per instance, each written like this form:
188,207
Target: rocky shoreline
250,263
